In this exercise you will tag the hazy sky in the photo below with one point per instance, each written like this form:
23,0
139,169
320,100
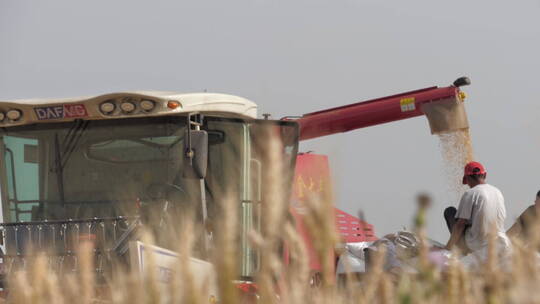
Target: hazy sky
294,57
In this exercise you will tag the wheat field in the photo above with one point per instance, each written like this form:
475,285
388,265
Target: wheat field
276,281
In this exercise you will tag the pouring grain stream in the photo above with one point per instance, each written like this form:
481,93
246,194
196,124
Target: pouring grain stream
456,151
448,120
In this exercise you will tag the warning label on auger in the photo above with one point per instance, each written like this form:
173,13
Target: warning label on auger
407,104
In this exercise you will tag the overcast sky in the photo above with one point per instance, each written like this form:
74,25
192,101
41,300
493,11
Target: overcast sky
294,57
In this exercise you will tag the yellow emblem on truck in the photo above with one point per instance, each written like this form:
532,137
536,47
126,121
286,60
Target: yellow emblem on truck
407,104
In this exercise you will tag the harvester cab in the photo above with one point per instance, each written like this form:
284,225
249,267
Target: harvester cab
99,169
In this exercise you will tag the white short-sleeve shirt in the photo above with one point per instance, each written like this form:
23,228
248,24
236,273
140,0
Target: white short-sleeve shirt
483,207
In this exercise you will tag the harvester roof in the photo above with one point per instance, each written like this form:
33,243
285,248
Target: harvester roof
123,105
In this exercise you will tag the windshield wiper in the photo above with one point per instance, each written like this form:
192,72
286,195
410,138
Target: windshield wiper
59,169
69,143
71,140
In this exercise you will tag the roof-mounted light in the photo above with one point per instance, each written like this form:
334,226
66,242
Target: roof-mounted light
147,105
173,104
127,106
13,114
107,107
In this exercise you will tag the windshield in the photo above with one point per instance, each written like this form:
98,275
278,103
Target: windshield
107,168
65,181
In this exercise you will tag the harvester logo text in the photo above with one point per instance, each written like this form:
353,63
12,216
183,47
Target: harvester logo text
61,111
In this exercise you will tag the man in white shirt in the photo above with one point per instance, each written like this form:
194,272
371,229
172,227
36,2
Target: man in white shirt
480,211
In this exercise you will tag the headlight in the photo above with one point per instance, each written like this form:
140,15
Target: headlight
107,107
147,105
14,114
127,107
2,116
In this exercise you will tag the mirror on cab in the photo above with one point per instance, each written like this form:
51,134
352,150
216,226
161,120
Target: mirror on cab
195,154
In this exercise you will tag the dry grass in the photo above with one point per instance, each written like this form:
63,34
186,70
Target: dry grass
279,282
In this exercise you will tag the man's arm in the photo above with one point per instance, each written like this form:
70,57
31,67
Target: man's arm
515,230
457,233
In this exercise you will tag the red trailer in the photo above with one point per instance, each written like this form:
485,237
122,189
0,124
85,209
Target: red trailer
312,181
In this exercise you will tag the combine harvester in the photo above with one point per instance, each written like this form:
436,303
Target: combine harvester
99,168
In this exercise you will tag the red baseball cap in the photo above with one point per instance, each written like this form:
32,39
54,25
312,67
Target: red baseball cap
473,168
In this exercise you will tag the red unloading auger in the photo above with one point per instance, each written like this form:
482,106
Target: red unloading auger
442,106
